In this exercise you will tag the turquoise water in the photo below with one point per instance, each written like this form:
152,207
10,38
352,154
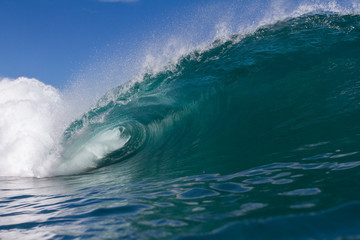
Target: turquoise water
256,137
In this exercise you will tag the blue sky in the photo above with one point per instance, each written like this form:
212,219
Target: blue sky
52,39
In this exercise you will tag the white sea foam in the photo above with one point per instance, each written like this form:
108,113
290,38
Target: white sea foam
33,118
29,127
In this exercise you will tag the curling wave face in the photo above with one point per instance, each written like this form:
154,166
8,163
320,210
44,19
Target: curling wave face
285,86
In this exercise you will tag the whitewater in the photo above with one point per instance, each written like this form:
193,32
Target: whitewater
254,127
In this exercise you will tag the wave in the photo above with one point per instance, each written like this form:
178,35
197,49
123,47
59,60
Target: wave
228,106
212,104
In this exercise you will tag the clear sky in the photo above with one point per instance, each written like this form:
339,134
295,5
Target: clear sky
52,39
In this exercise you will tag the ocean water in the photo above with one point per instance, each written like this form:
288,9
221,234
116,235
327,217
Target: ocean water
255,136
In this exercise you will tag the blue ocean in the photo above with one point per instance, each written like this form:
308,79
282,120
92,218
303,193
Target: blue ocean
255,135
